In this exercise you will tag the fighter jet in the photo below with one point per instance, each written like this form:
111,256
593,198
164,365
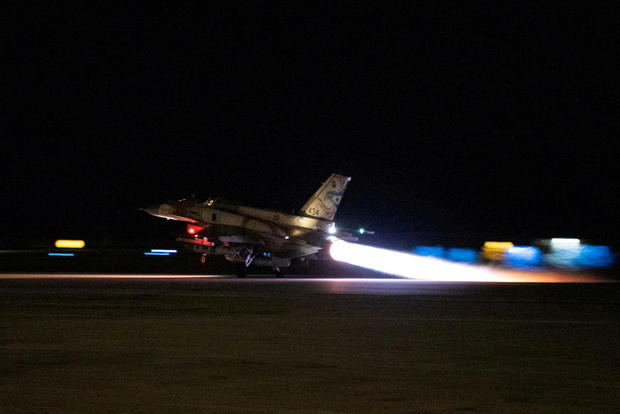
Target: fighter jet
251,236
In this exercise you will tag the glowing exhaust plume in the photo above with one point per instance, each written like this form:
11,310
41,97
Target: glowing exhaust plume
434,269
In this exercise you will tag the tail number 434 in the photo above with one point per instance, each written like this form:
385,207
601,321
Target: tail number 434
313,211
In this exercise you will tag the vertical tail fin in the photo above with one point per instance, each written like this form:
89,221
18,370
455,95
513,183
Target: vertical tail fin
324,203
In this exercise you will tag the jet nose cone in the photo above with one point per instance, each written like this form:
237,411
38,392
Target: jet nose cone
164,208
152,210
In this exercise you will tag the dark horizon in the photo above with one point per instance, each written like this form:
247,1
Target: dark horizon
452,121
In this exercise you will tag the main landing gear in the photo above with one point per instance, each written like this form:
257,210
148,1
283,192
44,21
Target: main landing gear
279,272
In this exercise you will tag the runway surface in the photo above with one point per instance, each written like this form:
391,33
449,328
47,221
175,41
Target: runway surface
140,343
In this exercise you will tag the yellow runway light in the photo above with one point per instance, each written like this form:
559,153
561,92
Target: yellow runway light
69,244
494,250
495,245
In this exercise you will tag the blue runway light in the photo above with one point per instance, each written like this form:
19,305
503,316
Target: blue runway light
595,256
61,254
433,251
462,255
164,250
156,254
523,256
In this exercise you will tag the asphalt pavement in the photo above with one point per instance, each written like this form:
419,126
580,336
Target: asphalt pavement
301,345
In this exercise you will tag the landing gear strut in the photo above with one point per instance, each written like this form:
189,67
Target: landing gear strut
278,271
241,258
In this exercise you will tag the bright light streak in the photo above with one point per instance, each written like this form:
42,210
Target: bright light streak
434,269
331,229
156,254
69,244
61,254
164,250
408,265
558,243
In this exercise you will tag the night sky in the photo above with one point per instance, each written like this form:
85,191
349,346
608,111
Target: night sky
483,120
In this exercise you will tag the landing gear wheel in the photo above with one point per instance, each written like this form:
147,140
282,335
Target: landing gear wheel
241,269
279,272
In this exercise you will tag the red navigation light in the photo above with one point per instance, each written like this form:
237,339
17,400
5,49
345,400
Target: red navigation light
193,228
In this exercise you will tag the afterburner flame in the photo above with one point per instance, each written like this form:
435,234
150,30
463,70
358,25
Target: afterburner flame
433,269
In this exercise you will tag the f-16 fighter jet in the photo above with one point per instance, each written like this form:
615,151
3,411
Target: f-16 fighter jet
251,236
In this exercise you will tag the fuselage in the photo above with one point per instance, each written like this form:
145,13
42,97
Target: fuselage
254,236
285,235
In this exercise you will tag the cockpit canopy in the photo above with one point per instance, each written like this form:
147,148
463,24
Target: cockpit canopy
215,201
